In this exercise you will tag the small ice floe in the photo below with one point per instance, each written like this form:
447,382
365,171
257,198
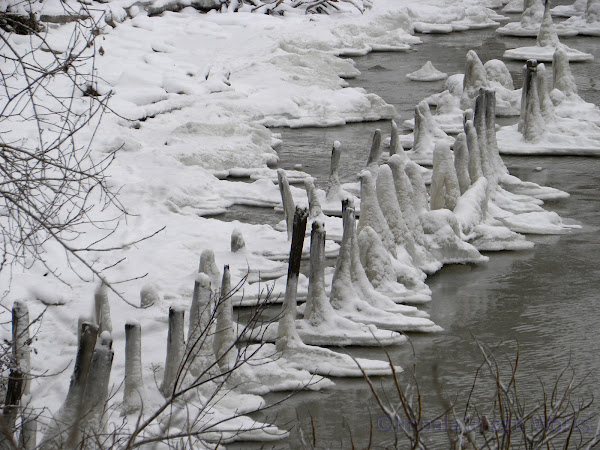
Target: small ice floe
530,22
547,43
427,73
540,130
588,23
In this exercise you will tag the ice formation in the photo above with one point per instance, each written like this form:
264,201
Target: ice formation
287,200
427,73
587,22
547,43
474,79
371,214
134,393
444,182
543,127
426,134
530,22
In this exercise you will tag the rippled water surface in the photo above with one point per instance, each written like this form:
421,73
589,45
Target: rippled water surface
546,299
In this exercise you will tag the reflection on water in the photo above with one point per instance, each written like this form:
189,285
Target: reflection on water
546,299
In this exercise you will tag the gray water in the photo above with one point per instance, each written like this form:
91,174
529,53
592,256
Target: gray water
545,301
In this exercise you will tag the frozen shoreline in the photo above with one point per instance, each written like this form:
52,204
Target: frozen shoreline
212,127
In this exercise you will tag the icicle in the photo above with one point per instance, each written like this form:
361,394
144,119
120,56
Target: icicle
134,393
224,341
547,36
149,295
474,79
209,267
287,333
102,309
563,78
287,200
371,214
444,184
314,205
238,244
175,350
461,162
546,105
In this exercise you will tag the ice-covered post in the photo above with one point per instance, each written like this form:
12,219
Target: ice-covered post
20,342
395,144
95,395
28,435
287,333
386,194
238,244
209,267
534,126
418,191
528,70
444,183
481,128
201,327
371,214
496,162
18,378
314,205
375,152
474,153
461,162
148,295
474,79
318,307
563,78
546,105
63,427
547,36
334,186
224,341
134,394
175,350
287,200
102,309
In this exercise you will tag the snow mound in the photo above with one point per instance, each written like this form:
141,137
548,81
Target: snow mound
427,73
